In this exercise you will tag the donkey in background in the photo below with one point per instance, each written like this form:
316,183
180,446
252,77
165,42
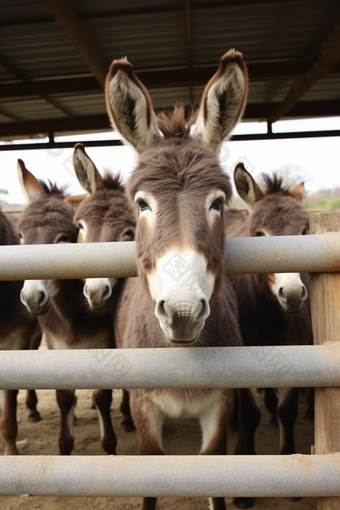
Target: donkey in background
274,309
182,296
104,216
64,316
19,330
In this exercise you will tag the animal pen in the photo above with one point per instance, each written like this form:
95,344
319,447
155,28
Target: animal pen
316,475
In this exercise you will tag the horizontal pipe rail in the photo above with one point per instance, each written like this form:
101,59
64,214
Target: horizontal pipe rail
207,367
220,476
317,253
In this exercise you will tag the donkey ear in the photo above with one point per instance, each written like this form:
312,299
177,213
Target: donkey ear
87,173
223,101
30,184
130,107
298,191
247,188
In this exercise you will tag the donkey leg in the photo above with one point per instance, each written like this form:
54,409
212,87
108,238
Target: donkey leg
148,419
31,404
8,421
103,400
214,423
31,396
287,413
127,421
309,395
66,403
271,402
250,419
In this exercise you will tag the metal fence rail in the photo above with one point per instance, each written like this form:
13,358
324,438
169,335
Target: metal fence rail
317,253
234,476
219,476
205,367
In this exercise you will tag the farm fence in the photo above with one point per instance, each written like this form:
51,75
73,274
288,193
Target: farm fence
318,366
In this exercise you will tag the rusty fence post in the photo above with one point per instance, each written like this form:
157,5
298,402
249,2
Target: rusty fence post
325,303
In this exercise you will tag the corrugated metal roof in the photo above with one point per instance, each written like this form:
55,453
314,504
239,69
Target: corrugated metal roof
157,35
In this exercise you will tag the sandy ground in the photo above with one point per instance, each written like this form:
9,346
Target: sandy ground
180,437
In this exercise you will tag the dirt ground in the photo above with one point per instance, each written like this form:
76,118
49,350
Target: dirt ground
180,437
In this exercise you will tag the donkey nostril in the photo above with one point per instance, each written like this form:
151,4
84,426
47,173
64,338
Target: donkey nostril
42,298
205,308
281,294
160,310
304,293
107,292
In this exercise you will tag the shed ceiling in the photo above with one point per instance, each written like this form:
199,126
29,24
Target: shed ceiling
54,55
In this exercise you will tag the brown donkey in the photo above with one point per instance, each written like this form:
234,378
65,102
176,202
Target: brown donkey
182,297
19,330
64,316
274,309
104,216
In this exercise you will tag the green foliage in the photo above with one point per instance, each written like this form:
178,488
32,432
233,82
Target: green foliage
330,204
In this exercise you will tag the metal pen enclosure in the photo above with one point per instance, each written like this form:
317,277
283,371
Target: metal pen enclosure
243,476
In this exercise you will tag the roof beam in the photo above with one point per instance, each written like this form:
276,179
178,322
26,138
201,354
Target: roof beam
69,23
288,70
324,65
101,123
24,83
141,11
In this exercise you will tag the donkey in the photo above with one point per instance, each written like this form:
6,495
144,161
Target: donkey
182,297
63,313
19,330
104,216
274,309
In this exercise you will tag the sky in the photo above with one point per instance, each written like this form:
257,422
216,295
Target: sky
316,161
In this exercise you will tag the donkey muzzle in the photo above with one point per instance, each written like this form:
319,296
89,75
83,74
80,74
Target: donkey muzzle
291,298
182,322
97,291
36,303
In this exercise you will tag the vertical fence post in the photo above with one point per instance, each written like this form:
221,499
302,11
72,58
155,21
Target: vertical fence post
325,303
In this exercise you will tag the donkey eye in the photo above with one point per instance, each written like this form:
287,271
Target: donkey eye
81,226
305,232
259,233
21,237
143,205
129,233
216,205
64,238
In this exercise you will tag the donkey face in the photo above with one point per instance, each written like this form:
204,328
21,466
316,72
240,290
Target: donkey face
276,212
104,216
178,190
46,220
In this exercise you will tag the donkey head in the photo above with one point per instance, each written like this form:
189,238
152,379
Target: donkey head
178,190
46,220
276,212
104,216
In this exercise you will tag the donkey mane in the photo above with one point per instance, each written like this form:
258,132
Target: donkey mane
113,182
274,184
175,122
52,188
